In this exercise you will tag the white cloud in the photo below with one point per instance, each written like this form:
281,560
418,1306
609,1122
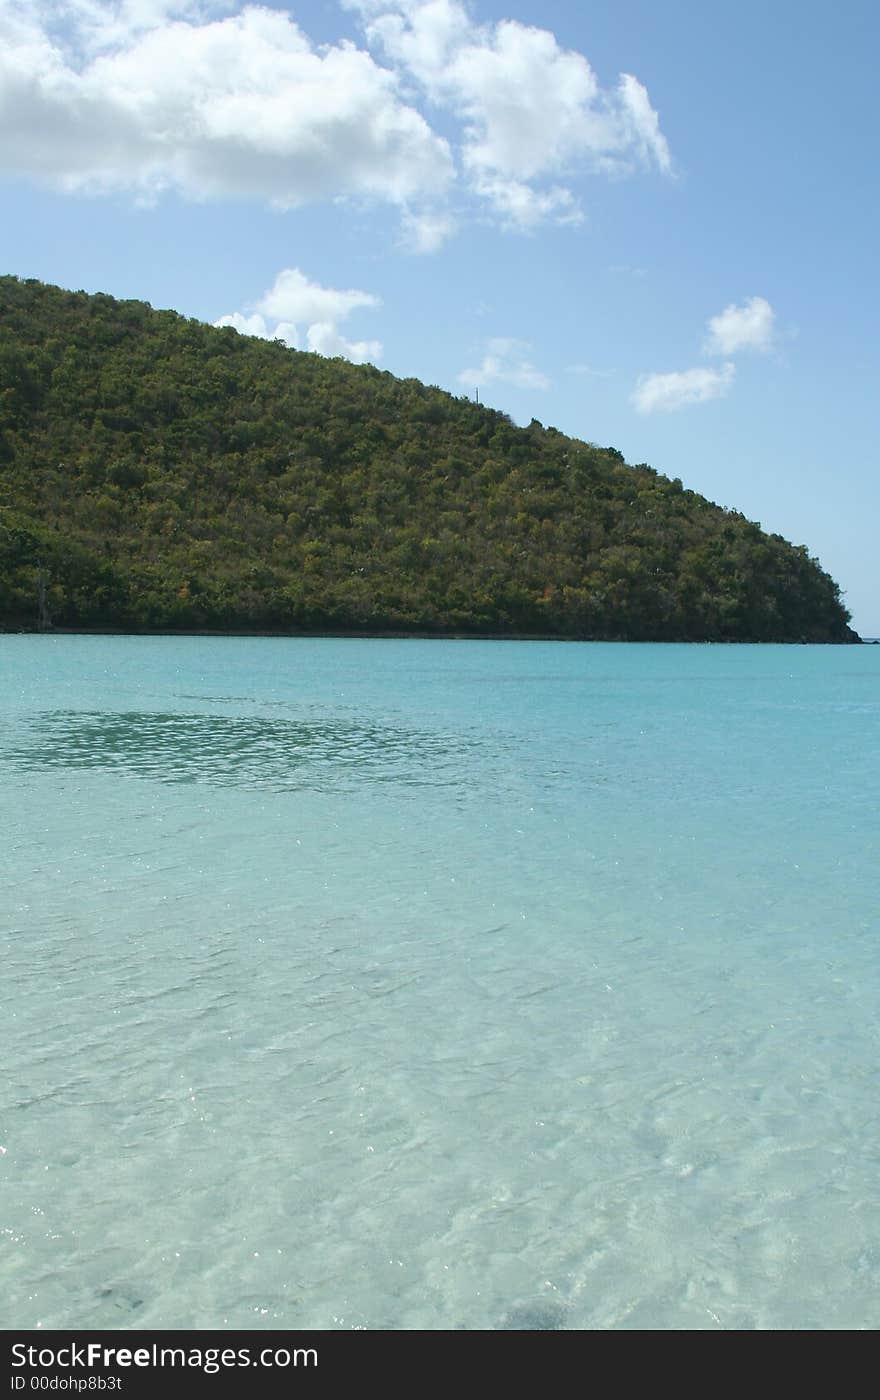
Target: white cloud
292,297
258,326
643,124
147,96
324,339
668,392
505,361
293,301
421,35
247,325
426,232
140,97
522,207
94,25
746,327
531,109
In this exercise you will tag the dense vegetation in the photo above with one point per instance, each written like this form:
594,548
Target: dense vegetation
156,472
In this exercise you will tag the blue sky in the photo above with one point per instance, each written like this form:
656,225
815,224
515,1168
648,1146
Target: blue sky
679,262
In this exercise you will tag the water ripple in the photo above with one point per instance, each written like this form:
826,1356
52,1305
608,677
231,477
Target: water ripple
252,752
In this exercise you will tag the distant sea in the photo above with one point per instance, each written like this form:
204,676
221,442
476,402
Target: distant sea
452,984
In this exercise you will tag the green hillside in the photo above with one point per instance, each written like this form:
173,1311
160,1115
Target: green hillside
156,472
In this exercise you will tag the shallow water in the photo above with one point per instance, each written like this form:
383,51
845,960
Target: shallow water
408,984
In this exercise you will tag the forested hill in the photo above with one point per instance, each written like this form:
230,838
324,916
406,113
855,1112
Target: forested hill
156,472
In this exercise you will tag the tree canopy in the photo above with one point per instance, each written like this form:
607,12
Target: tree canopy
157,472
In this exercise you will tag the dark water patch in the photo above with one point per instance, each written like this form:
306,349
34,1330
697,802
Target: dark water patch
253,752
543,1315
120,1299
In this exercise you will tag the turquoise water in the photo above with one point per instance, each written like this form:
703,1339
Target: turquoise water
408,984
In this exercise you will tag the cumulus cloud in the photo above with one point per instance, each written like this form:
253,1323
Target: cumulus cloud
93,25
292,297
531,109
292,302
746,327
150,96
253,325
505,360
668,392
216,100
324,339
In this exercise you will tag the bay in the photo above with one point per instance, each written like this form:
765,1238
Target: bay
438,984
